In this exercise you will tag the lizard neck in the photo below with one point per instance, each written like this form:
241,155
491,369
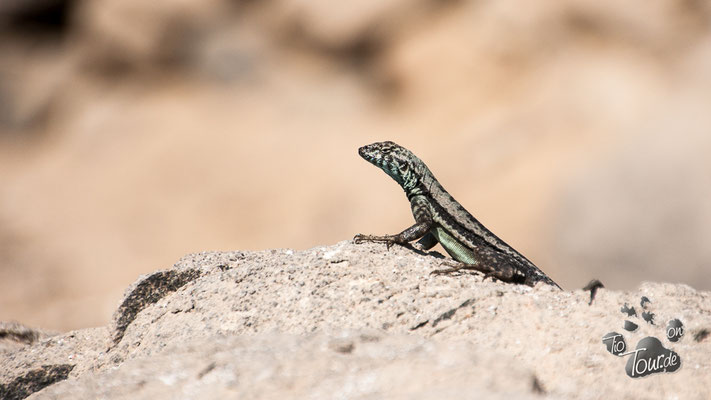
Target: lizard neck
424,184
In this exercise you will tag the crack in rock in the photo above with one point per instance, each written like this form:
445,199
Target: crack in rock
450,313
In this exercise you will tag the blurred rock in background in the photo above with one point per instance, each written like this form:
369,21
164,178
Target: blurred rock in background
134,132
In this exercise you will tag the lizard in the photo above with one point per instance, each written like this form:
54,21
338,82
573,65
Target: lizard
439,218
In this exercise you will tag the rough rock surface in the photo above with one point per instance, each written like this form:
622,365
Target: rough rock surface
564,126
347,321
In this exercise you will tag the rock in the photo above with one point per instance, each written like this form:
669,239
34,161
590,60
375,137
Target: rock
132,35
355,321
14,335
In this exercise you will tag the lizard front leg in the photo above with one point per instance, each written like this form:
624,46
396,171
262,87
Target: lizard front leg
414,232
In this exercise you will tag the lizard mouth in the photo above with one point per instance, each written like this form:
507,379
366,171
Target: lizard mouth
373,153
365,153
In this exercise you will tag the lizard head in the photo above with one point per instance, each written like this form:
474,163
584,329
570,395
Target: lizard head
397,161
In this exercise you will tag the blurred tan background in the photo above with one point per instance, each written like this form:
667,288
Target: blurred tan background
134,132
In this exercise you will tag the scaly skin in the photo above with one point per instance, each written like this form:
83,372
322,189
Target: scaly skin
440,218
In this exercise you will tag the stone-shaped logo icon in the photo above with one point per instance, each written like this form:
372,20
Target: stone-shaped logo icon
648,317
651,357
615,343
630,311
675,330
630,326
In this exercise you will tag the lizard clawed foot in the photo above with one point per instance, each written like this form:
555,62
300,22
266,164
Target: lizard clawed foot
360,238
454,266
